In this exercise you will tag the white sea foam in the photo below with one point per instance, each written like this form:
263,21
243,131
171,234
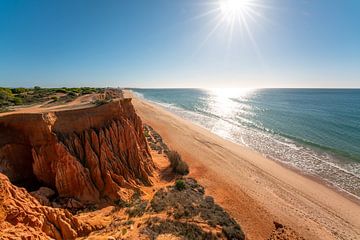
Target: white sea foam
342,174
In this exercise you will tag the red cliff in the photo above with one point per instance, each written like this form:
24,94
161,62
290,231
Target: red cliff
91,154
22,217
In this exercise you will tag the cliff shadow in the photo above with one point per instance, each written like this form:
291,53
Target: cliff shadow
167,174
16,159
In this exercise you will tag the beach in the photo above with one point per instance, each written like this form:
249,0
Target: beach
255,190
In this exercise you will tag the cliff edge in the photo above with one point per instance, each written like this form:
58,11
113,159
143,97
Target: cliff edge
89,173
23,217
92,155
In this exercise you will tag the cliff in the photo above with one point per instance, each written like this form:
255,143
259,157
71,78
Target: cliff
98,156
91,155
22,217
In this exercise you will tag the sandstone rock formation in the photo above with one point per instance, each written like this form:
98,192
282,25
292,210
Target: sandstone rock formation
23,217
90,155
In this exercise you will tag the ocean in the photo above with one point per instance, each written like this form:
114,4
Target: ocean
316,131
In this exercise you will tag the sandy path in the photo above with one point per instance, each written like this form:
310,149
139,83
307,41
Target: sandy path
78,103
255,190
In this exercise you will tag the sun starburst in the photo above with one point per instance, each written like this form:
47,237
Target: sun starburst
235,16
233,9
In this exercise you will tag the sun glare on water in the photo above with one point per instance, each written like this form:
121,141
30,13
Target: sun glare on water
224,103
231,92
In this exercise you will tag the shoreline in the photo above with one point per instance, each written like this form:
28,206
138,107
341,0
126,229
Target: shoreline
241,178
319,179
352,197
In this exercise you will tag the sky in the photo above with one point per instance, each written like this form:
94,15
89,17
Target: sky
180,43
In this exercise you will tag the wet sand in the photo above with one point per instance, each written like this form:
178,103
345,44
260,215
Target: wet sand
257,191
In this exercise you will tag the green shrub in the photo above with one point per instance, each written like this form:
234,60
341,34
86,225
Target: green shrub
100,102
61,90
180,184
77,90
121,203
174,158
138,209
18,90
72,94
17,101
3,109
6,94
54,98
87,90
177,164
182,168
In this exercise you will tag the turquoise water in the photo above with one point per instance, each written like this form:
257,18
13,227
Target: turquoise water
314,130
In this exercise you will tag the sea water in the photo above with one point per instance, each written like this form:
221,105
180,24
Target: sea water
316,131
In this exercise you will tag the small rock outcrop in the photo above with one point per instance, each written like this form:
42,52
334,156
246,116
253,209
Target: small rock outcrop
92,155
23,217
43,195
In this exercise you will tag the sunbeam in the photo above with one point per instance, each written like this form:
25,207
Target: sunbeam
235,16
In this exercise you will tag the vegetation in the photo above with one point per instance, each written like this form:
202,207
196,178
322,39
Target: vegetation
24,96
156,143
4,109
177,164
121,203
100,102
180,184
184,230
186,205
138,209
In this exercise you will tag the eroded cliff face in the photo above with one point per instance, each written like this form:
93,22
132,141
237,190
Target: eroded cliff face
92,155
22,217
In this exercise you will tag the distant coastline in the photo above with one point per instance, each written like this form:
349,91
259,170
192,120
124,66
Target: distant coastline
321,162
240,178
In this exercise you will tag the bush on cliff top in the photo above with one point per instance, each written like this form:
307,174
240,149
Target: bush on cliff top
177,164
180,185
100,102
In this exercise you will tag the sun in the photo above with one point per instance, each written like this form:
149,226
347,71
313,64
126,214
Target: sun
234,9
237,18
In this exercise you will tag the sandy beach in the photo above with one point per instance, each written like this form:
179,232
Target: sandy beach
255,190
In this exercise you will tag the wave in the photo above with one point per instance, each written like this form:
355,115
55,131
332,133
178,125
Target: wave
316,146
244,122
335,166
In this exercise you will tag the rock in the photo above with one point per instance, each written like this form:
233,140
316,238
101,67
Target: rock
282,232
42,199
209,199
56,205
46,192
43,194
88,154
278,225
22,217
74,204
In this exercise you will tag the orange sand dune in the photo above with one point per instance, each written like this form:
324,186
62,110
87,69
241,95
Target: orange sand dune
254,189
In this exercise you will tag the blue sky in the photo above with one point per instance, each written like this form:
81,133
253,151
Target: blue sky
168,43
